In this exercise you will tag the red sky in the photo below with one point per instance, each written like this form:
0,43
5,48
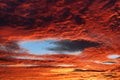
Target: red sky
90,20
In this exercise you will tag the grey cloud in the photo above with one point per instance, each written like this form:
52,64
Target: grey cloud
72,46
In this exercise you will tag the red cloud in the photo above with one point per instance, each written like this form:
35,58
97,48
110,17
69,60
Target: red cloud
74,20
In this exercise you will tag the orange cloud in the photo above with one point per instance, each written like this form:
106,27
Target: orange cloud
91,20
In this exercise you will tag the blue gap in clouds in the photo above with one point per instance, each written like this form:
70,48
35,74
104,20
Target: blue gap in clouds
38,47
53,46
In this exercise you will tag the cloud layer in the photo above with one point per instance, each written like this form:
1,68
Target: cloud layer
78,24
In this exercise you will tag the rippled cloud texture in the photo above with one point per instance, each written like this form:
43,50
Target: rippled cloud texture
89,27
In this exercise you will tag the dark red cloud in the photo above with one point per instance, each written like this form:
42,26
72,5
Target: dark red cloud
94,21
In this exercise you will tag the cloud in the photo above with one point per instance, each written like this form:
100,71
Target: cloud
38,20
65,65
82,70
18,65
31,58
109,4
113,56
73,46
109,63
64,70
12,46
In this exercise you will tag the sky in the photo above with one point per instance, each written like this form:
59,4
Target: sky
56,46
62,29
38,47
114,56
